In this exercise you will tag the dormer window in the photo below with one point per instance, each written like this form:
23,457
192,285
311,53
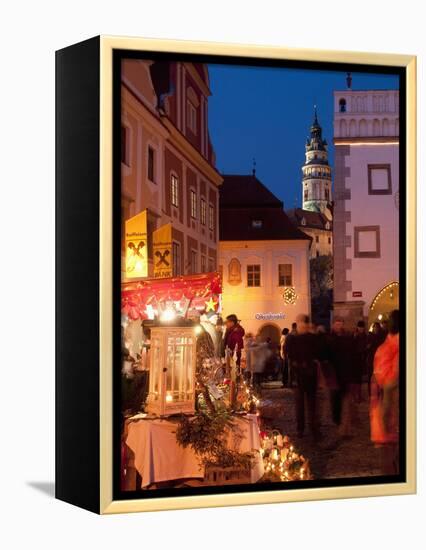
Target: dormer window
193,110
191,116
303,222
257,224
327,225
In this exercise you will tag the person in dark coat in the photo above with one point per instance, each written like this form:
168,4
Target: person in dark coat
342,358
234,336
360,358
302,351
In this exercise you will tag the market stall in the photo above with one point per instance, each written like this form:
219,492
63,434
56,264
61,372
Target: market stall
198,417
153,442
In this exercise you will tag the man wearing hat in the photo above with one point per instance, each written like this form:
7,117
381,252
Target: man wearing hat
234,336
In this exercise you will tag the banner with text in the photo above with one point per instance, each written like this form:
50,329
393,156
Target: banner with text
137,246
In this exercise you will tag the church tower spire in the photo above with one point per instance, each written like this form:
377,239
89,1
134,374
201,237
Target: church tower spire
316,179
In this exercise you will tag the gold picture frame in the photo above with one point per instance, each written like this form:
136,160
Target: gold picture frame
107,45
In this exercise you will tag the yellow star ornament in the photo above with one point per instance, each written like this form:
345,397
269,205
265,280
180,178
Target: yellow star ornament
210,305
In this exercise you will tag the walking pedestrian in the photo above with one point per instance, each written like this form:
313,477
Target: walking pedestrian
360,358
303,357
375,339
284,358
258,353
342,359
384,405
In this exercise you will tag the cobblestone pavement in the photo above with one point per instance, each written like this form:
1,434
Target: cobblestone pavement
333,457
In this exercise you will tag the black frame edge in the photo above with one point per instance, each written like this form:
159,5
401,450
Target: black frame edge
77,121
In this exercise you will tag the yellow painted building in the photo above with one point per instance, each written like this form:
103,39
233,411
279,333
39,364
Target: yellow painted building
263,259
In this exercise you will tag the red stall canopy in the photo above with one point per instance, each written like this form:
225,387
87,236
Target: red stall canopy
140,298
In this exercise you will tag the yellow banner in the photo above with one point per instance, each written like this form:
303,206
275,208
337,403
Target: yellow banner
162,246
137,246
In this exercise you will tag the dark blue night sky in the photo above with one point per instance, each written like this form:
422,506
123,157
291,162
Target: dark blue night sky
266,113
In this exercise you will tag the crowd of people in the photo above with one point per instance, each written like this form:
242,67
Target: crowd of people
340,361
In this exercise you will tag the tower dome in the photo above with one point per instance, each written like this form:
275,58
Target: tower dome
316,172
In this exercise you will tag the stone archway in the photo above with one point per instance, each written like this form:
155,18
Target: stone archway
385,301
269,330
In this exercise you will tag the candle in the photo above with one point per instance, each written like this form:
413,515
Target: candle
280,440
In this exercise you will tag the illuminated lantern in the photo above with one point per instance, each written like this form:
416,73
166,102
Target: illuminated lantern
172,370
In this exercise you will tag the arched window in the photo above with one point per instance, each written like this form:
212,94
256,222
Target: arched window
363,127
385,126
376,127
234,272
342,105
343,128
352,128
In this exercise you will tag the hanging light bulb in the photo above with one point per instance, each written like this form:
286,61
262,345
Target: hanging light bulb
168,315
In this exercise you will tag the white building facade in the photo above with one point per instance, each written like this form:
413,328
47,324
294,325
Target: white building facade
366,206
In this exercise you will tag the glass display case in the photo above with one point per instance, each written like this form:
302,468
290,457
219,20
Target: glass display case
172,371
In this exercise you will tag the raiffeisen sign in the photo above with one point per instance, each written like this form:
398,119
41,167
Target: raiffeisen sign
269,316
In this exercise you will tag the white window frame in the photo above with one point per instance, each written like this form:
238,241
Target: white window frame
193,203
211,217
203,211
174,189
291,274
252,272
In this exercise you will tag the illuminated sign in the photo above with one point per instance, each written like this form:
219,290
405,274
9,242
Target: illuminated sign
269,316
163,256
136,246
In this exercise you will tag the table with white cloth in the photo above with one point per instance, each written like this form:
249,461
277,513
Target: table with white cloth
158,457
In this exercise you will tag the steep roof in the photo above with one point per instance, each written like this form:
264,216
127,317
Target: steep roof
250,212
246,190
315,220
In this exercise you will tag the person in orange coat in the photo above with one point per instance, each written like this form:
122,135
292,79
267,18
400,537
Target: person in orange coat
384,404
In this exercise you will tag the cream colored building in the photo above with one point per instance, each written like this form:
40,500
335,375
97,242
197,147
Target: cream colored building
366,212
168,166
263,258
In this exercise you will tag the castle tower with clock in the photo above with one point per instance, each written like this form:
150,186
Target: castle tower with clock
315,216
316,180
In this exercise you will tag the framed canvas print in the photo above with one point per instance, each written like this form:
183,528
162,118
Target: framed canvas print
235,285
